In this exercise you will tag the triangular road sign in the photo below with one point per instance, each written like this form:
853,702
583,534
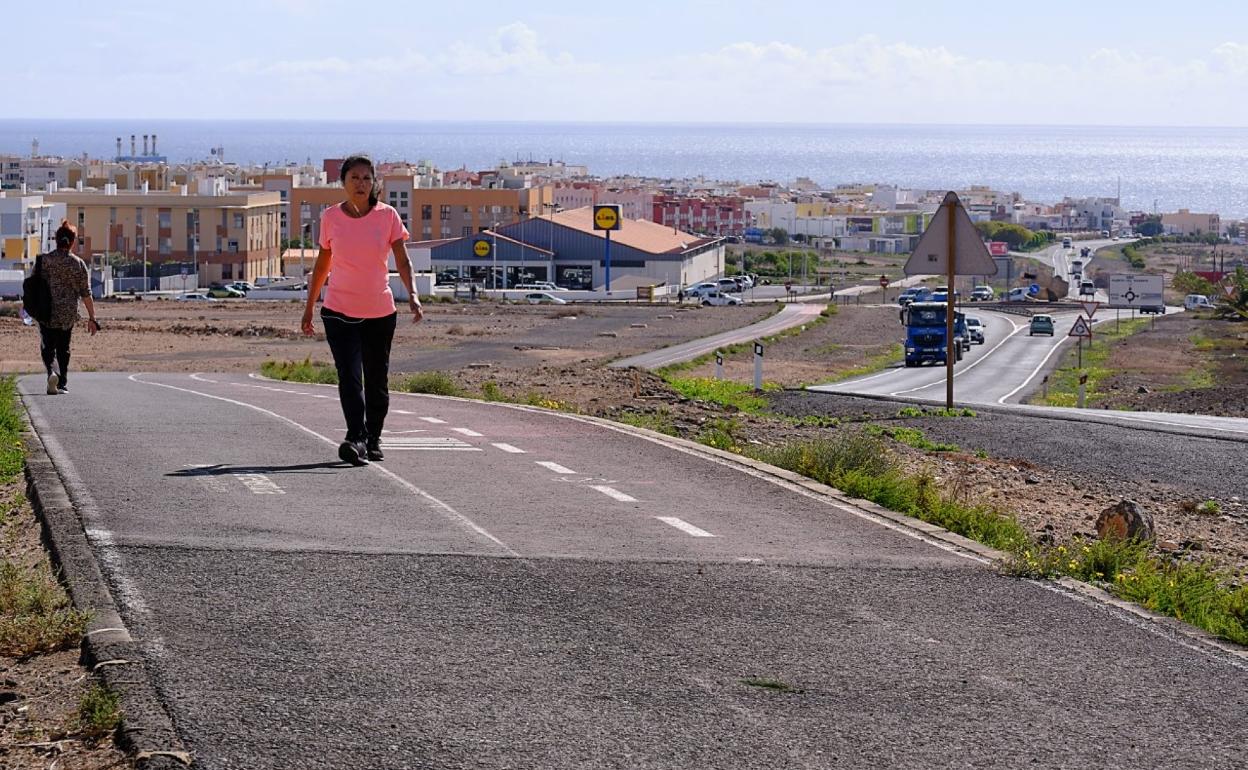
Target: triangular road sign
1229,289
931,255
1089,308
1080,329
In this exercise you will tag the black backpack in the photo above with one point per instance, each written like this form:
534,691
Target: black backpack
37,295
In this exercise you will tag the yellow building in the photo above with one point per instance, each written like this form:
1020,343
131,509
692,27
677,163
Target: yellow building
230,235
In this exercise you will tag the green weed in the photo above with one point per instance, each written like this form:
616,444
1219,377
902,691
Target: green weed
911,437
35,613
435,383
944,411
722,434
659,422
875,363
306,370
735,394
1209,508
99,712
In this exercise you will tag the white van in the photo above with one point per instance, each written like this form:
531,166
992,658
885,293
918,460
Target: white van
1067,242
1196,302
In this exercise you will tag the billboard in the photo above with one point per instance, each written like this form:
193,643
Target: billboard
1136,291
998,248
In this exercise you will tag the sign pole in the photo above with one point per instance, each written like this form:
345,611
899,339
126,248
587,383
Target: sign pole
949,310
608,261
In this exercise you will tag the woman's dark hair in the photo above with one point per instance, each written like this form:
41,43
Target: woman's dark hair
66,235
361,160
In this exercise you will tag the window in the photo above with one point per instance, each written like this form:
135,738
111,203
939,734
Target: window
238,221
446,231
466,231
233,246
426,212
427,232
445,213
163,219
166,246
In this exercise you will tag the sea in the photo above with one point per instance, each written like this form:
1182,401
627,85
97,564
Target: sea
1151,168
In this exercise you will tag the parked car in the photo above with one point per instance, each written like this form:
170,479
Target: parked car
225,292
1196,302
542,298
975,327
537,286
701,289
1018,294
731,285
1040,324
983,294
242,286
195,296
717,297
1087,288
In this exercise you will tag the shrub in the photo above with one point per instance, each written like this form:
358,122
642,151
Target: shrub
436,383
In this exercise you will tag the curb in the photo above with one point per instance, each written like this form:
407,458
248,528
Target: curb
146,732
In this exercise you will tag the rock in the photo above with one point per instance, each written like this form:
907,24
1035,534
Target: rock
1168,546
1124,521
1141,390
1032,480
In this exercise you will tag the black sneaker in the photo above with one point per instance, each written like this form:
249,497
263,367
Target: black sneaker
373,450
353,453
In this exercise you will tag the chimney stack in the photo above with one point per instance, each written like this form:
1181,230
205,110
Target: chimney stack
119,147
132,151
145,144
153,144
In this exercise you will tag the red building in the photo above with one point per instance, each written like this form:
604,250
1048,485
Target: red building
710,214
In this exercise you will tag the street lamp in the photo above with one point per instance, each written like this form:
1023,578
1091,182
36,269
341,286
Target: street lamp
494,256
303,259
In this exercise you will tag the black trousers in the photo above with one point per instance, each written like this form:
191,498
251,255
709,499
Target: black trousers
54,344
361,349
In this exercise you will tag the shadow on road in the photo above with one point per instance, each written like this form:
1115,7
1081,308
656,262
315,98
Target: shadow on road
231,470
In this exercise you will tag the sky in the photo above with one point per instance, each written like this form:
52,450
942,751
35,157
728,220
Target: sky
1106,62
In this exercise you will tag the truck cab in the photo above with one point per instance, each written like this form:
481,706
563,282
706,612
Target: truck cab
925,333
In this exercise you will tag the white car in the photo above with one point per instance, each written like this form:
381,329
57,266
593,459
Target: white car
1087,288
1017,294
701,289
1196,302
537,286
542,298
716,297
975,328
195,296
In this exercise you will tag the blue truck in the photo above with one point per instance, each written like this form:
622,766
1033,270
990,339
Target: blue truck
925,333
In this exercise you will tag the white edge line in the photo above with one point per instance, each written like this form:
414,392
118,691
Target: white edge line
447,510
1039,366
959,372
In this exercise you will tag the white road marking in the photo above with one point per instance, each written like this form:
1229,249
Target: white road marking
401,411
433,420
1036,371
959,372
509,449
428,442
613,493
684,526
556,467
447,511
467,432
412,430
259,484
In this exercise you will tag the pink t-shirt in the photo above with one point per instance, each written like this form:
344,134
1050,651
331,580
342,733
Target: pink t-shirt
359,284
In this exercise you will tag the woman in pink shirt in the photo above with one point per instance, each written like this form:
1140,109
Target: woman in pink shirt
357,238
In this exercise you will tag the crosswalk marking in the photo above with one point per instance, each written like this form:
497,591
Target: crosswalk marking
684,526
509,449
401,443
614,494
466,431
434,420
556,467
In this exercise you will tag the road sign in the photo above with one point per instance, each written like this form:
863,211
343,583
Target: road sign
931,255
883,281
481,248
1089,308
1135,291
1229,290
998,248
1080,328
607,216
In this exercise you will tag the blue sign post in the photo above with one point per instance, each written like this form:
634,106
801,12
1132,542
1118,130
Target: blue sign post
608,217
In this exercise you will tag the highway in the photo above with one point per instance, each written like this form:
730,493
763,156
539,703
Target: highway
520,588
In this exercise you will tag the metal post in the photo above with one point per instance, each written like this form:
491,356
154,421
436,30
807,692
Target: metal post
758,366
145,286
494,256
608,260
303,259
719,365
949,297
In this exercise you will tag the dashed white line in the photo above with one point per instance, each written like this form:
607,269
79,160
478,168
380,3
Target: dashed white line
556,467
433,420
509,449
401,411
684,526
467,432
613,493
428,442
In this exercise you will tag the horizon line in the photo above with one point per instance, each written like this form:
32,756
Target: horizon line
556,122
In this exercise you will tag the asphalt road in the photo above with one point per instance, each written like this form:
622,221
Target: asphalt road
514,588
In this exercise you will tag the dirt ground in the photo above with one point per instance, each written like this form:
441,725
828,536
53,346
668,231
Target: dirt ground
560,354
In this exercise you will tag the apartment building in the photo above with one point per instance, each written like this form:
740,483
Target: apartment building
230,235
1184,222
710,214
634,202
28,225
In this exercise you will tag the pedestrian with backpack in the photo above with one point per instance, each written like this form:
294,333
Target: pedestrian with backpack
68,280
358,236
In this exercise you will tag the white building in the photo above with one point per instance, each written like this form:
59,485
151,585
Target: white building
27,226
